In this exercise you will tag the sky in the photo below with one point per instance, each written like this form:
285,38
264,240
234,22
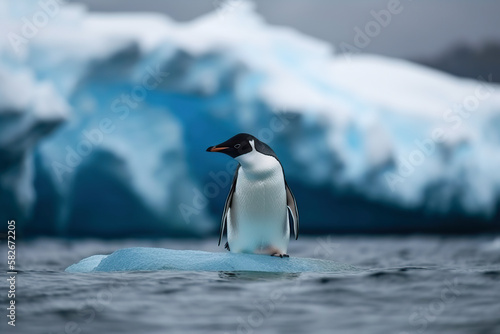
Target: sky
415,30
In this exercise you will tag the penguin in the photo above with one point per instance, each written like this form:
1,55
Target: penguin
260,204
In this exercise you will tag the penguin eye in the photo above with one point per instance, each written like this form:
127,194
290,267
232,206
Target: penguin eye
237,146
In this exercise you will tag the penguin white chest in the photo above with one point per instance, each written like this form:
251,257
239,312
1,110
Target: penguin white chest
258,219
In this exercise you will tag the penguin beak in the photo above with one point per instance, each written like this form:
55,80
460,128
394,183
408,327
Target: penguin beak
216,149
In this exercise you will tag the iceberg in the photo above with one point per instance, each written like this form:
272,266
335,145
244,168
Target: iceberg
122,107
148,259
24,120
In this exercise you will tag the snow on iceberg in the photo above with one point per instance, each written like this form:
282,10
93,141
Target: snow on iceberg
29,111
368,143
142,258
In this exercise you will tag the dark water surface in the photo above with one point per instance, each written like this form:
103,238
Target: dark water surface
408,285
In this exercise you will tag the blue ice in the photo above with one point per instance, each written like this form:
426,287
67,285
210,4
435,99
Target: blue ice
146,259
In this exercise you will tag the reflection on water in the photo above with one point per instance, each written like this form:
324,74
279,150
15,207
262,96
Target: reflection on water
255,275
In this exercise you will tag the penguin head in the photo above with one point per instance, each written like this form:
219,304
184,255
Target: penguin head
236,146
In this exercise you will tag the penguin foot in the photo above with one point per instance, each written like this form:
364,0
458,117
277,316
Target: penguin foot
281,255
226,246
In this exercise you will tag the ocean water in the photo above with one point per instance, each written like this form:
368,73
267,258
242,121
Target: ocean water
415,284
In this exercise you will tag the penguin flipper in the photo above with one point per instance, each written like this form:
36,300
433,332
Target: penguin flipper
227,206
292,209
